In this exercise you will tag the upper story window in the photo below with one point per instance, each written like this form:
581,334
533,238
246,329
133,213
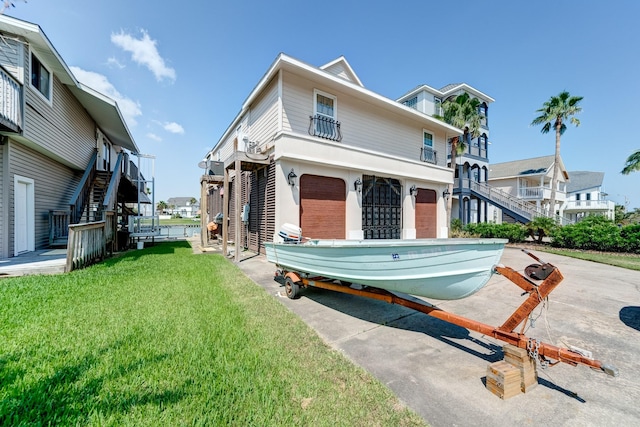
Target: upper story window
324,121
40,77
428,153
412,102
437,106
427,139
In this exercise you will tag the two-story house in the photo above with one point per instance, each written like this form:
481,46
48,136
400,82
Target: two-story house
586,196
311,146
528,182
63,146
473,164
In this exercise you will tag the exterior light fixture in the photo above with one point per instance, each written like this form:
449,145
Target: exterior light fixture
446,194
413,191
358,185
291,178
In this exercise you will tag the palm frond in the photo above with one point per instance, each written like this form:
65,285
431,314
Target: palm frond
632,164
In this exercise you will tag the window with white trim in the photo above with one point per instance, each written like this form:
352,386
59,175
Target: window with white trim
40,77
325,105
325,116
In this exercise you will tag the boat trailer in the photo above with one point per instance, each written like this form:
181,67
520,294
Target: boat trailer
546,354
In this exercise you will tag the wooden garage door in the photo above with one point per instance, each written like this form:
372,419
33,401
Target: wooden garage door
426,214
322,207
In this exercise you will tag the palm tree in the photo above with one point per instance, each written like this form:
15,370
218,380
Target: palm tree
557,109
161,206
632,164
461,112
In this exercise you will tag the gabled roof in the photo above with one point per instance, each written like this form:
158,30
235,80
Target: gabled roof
583,180
352,88
449,90
527,167
341,68
101,108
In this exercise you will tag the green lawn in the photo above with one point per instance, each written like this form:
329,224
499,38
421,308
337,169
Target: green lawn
164,337
630,261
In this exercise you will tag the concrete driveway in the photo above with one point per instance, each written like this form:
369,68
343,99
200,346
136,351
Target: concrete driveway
438,369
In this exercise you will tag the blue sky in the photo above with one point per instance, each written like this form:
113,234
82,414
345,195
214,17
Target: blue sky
181,70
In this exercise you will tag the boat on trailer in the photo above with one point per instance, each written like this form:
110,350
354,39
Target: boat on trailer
444,269
296,259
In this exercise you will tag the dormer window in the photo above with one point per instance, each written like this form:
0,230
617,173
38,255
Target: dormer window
40,77
412,102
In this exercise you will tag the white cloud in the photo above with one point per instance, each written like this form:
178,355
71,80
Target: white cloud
114,62
154,137
144,52
173,127
130,109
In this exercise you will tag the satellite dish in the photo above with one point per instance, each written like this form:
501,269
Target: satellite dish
202,164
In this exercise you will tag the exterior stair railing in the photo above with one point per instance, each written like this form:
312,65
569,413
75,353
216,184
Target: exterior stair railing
524,210
81,196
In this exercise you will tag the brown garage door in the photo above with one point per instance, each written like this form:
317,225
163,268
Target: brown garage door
322,207
426,214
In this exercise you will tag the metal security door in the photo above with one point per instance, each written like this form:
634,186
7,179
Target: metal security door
381,208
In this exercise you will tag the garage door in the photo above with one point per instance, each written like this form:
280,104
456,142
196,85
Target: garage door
426,214
322,207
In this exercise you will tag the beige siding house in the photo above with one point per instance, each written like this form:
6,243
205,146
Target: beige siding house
529,180
313,147
53,131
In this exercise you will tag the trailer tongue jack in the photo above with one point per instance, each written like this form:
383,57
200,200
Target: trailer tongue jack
551,277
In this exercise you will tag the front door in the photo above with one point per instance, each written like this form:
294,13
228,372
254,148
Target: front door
24,225
381,208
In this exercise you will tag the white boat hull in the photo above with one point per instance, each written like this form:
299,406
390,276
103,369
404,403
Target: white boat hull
444,269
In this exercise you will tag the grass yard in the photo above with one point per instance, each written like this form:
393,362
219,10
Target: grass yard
629,261
164,337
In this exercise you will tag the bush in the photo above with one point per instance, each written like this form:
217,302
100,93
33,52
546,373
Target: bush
630,236
592,233
541,227
516,233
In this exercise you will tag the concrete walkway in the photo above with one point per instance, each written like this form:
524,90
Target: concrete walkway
438,369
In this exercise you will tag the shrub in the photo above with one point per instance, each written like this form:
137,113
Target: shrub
592,233
516,233
630,235
541,227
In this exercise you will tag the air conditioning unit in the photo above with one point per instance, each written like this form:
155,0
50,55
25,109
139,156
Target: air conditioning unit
215,168
252,147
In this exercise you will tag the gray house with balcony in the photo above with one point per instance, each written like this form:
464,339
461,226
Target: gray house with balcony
473,164
64,148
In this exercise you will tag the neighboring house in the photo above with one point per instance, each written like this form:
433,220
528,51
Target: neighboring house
528,181
63,146
473,164
313,147
183,206
586,196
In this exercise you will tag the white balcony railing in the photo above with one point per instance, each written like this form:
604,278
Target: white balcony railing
589,205
10,101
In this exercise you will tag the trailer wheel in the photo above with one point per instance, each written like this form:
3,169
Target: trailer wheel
291,288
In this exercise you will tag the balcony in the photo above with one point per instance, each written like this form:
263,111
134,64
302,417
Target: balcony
589,205
10,102
325,127
429,155
471,150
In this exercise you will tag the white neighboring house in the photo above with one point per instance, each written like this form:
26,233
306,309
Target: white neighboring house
529,181
586,196
183,207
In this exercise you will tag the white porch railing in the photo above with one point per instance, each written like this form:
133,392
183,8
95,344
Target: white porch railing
587,205
10,101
